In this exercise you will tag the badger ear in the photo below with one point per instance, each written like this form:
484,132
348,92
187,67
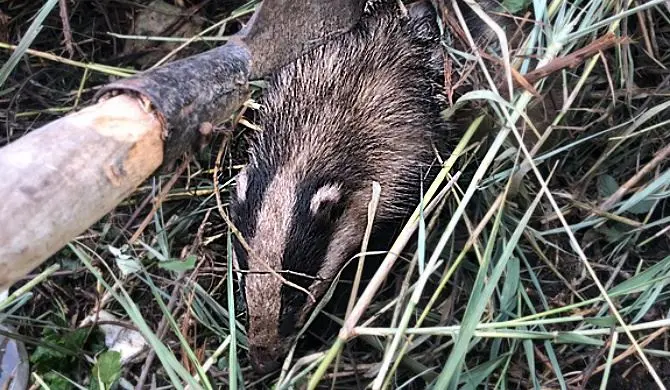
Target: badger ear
241,187
421,10
327,202
424,16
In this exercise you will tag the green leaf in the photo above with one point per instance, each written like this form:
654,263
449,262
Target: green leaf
642,280
475,377
128,266
46,358
56,381
107,369
614,234
179,265
603,322
571,338
643,207
515,6
607,185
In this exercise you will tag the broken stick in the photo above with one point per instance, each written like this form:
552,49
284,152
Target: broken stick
53,188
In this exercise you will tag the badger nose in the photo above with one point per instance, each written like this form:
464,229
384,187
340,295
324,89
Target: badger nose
263,360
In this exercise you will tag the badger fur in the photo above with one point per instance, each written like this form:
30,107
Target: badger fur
363,107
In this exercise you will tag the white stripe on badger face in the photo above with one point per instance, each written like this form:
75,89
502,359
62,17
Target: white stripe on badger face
242,183
263,290
274,219
327,194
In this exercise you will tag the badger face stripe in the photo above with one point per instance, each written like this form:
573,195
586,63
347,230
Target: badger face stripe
315,216
241,188
252,184
272,219
292,301
325,196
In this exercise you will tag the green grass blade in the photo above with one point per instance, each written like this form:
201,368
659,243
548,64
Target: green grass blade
26,41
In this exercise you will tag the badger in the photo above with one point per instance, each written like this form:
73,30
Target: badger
362,108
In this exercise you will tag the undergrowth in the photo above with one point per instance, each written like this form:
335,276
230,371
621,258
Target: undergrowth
544,265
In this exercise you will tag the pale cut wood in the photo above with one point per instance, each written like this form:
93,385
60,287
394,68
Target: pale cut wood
63,177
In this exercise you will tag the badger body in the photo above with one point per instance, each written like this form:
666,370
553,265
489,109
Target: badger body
362,108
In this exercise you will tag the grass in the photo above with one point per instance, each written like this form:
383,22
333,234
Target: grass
544,263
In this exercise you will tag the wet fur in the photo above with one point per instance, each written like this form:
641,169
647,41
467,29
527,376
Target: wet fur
364,107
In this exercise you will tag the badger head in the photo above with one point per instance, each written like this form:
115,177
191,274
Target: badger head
296,234
357,109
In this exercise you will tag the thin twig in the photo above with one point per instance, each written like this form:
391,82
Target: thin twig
159,200
660,157
576,58
67,31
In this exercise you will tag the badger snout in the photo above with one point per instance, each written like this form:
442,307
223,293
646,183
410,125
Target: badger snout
263,359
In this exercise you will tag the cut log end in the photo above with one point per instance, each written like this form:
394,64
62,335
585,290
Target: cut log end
63,177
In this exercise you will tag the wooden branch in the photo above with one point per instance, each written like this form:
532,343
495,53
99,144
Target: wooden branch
283,30
63,177
660,157
210,86
571,60
575,58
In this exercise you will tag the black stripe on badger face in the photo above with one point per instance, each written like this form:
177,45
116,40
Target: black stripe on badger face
319,204
252,183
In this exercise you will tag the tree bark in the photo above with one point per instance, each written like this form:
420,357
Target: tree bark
63,177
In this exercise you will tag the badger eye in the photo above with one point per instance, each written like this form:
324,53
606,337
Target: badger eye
327,202
331,211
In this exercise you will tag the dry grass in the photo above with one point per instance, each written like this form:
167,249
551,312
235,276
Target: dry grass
544,266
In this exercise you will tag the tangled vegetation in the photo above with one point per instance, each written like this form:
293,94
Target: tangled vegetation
544,265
